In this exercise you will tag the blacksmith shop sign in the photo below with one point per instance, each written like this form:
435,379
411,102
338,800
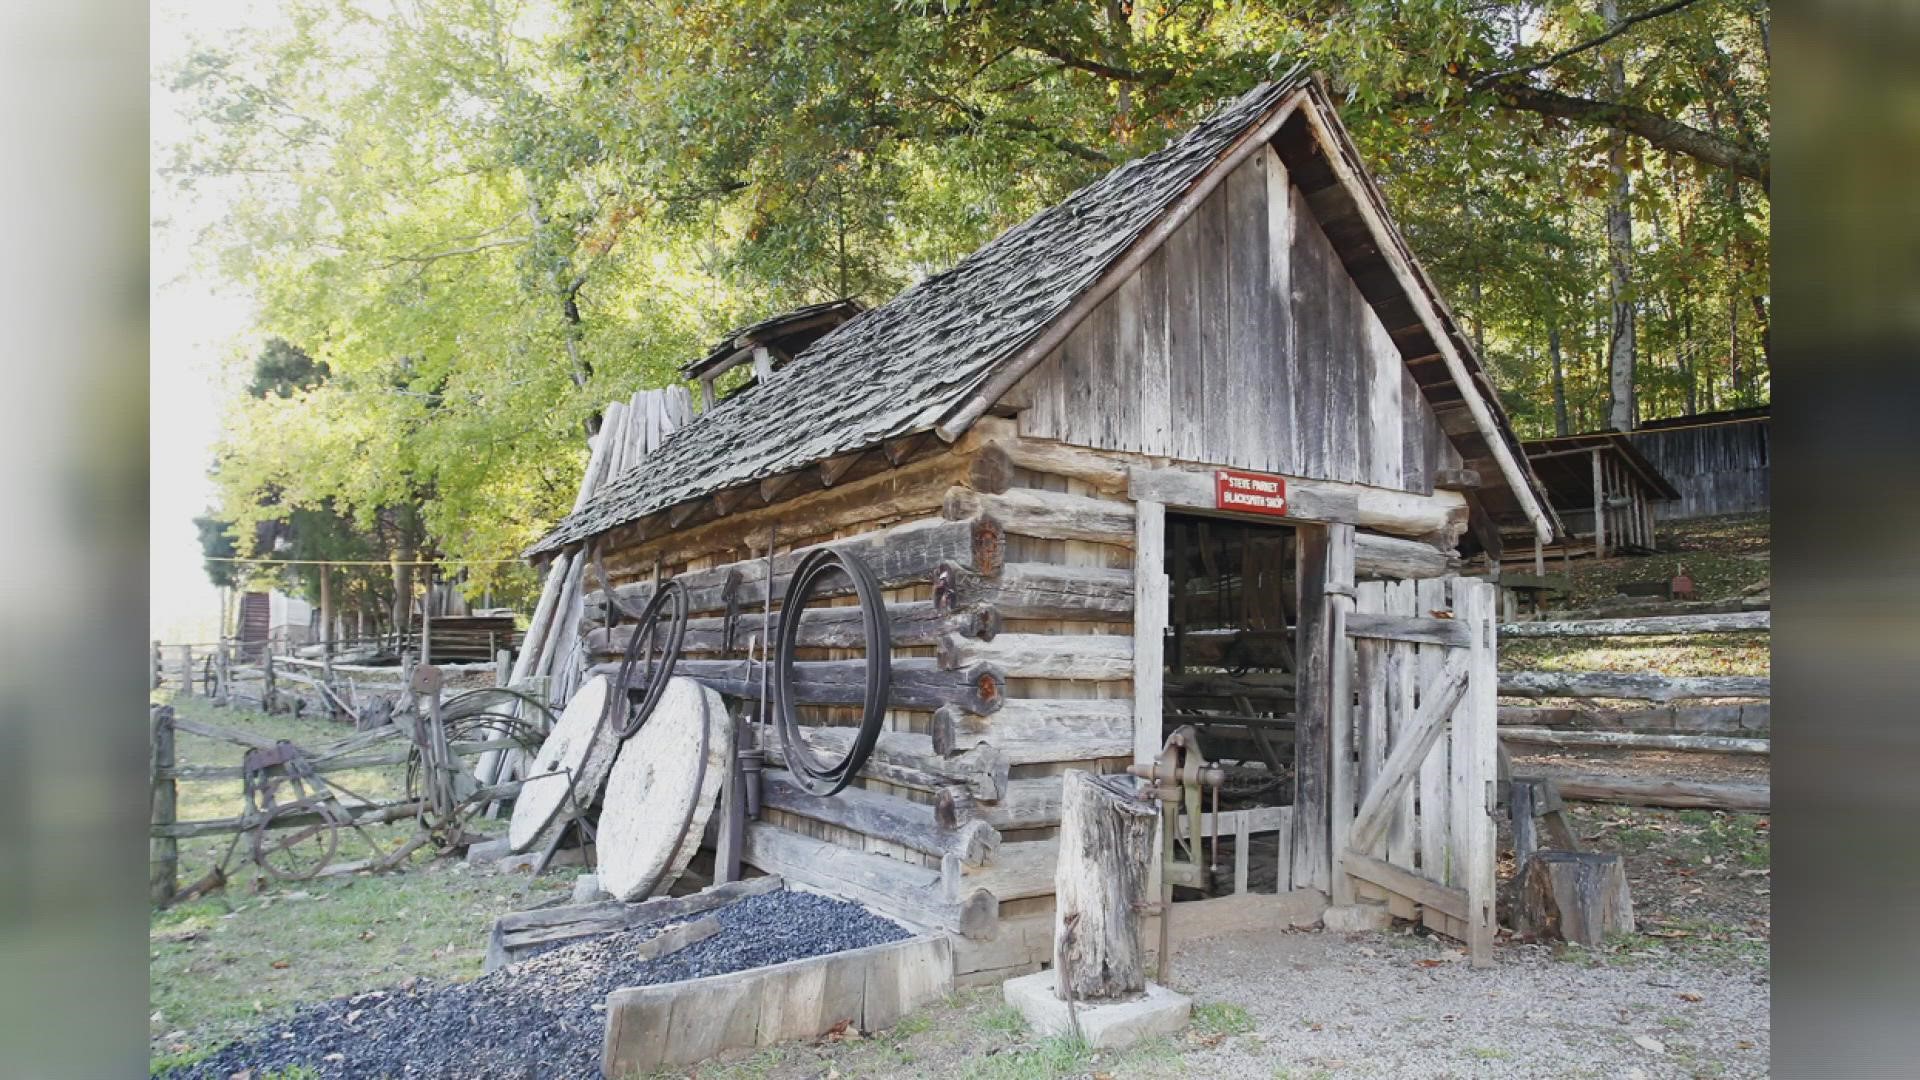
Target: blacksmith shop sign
1250,492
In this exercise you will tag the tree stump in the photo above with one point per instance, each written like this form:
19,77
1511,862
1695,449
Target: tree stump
1100,883
1575,896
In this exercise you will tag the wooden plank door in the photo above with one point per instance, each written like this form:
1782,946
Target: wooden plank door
1411,729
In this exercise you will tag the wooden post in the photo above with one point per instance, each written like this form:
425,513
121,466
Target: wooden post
1599,508
1100,888
502,666
1342,776
186,671
224,666
326,615
426,621
1312,861
154,666
267,701
1150,613
1473,765
1576,896
163,852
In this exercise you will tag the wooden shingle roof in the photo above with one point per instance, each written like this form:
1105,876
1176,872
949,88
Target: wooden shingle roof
900,367
916,362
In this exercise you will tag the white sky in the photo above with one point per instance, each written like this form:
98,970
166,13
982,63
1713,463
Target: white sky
197,323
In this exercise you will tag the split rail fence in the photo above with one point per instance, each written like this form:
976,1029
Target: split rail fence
1721,714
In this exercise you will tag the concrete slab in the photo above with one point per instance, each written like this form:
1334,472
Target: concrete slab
1109,1025
1356,918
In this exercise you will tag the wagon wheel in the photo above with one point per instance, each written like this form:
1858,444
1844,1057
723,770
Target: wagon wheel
297,852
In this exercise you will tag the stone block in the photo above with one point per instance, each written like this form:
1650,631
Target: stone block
1107,1025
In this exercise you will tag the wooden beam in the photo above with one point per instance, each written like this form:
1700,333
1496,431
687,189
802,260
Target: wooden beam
1420,630
1631,687
1683,794
1321,501
883,817
1038,591
1628,740
833,468
1050,515
1030,730
1086,657
1733,623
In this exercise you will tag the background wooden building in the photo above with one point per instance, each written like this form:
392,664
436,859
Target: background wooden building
1604,492
1026,450
1719,463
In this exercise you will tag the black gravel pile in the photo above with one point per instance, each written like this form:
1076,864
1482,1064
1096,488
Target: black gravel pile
536,1018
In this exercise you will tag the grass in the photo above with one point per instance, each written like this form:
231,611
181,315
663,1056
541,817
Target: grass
1221,1018
221,964
1723,555
1722,654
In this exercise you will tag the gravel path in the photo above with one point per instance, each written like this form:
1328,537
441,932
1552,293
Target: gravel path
542,1017
1393,1004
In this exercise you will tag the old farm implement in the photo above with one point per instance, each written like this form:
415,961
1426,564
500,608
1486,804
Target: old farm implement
296,801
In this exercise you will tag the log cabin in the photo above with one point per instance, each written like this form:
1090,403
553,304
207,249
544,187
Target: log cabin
1198,447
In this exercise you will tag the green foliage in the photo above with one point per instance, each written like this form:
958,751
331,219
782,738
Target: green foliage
479,223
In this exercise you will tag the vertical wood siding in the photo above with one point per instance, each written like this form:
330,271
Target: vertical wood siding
1718,468
1242,342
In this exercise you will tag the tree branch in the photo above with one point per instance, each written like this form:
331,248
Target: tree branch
1091,67
1615,31
1661,131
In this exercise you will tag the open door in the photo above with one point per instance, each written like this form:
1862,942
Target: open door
1412,727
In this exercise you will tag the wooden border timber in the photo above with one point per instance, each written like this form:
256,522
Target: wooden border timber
652,1028
519,932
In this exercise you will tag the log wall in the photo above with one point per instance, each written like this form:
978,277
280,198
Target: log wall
1009,569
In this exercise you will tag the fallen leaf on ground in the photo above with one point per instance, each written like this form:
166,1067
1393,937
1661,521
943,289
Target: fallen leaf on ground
282,964
1691,996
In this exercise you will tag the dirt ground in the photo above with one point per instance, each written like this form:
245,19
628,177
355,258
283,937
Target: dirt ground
1686,995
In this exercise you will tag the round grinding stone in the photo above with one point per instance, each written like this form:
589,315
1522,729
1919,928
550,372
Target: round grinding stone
579,747
652,791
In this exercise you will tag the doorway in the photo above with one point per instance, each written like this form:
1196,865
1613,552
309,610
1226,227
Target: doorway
1232,661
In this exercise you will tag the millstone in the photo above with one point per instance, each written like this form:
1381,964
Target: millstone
652,790
579,747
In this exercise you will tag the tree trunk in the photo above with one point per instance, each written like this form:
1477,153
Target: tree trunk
1559,382
1100,884
1620,335
1575,896
403,584
326,609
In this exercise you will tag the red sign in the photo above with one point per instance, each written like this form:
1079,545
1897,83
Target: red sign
1250,492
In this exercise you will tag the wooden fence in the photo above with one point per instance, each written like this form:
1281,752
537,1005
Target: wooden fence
1638,711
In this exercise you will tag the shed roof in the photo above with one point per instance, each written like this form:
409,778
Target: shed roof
914,362
1564,465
